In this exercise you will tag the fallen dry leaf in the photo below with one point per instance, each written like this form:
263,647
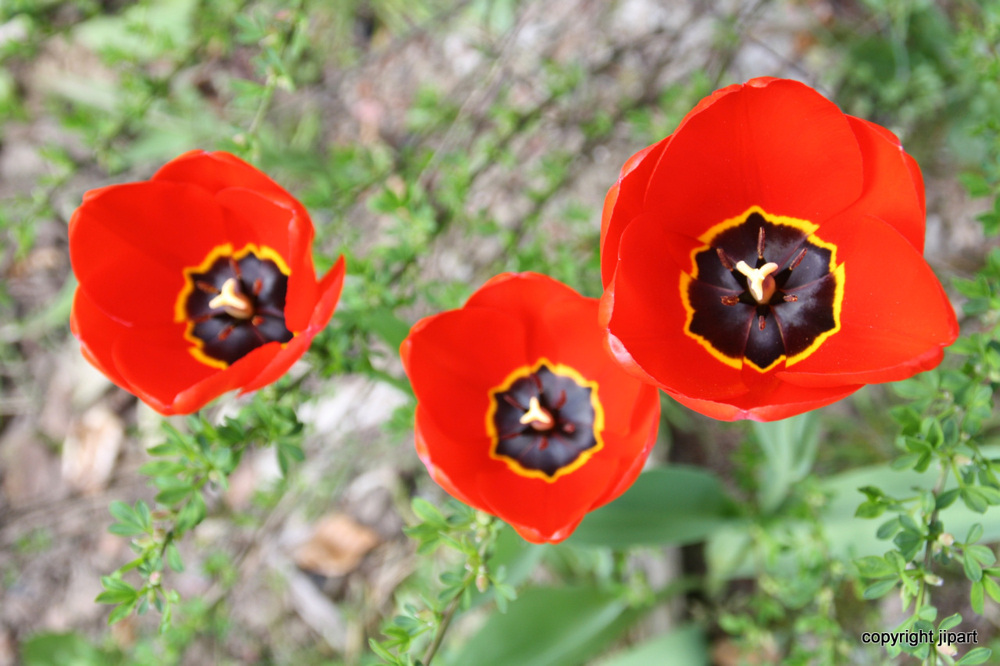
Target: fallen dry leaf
336,547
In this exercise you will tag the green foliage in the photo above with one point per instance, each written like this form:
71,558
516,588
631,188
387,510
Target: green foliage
699,507
186,465
472,535
57,649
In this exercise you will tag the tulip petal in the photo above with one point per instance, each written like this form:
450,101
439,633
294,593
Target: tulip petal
893,187
252,217
624,202
895,318
462,355
648,315
215,171
101,333
756,145
238,375
780,402
329,288
455,359
156,367
129,245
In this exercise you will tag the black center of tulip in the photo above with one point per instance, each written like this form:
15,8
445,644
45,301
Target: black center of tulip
236,306
763,291
544,421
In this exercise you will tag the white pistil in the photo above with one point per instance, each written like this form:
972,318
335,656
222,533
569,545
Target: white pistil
756,280
232,301
536,417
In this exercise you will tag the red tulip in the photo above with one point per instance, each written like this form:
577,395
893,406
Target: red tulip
196,282
765,259
521,412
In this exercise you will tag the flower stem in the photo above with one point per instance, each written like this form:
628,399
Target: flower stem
442,627
485,534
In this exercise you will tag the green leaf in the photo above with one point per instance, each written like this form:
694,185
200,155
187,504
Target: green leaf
121,612
288,453
381,652
909,543
52,649
789,448
950,622
907,461
869,510
667,505
975,184
680,647
973,570
989,493
847,538
888,528
873,566
122,512
143,514
974,499
116,591
880,588
991,587
981,554
427,512
566,625
129,522
946,499
162,468
976,599
974,656
384,323
173,557
191,514
125,530
176,493
975,533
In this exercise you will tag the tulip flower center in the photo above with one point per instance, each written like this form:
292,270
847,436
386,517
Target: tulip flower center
233,303
762,290
545,420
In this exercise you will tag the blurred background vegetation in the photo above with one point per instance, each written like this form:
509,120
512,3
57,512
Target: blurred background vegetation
437,143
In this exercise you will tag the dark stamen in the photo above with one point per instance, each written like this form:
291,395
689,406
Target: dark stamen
235,267
270,312
257,320
760,322
513,403
760,243
257,285
548,439
224,333
726,261
798,260
730,300
790,298
206,287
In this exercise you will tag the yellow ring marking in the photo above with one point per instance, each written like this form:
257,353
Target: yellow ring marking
180,306
803,225
564,371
